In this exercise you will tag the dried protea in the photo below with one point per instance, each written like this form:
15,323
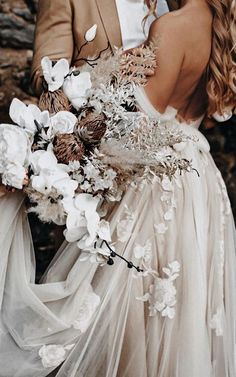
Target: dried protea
54,102
68,147
91,128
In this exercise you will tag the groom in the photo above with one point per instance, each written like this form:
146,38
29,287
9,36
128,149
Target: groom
61,25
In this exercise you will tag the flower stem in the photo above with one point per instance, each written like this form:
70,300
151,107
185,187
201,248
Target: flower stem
114,254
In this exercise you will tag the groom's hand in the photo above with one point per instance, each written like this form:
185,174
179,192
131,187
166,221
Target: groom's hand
137,52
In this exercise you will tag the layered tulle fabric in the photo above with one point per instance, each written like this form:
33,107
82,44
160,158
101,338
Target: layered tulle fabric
177,321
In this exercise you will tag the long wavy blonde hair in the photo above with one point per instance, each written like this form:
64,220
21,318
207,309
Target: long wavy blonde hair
221,77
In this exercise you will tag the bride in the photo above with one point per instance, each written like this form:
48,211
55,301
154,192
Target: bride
106,322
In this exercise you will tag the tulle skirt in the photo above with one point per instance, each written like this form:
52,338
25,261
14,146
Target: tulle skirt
177,320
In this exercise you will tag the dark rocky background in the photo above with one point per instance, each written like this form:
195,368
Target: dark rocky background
17,19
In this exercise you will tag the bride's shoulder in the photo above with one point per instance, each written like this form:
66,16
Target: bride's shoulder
173,25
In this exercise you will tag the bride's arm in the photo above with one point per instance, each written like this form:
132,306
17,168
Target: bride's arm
53,36
167,34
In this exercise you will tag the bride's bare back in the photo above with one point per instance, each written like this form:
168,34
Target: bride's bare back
184,48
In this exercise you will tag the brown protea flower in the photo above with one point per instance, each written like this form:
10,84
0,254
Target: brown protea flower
54,102
68,147
91,128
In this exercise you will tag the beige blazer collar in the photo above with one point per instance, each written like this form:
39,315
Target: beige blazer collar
110,19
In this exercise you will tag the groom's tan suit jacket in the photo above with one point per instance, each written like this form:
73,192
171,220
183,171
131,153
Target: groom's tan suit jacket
61,26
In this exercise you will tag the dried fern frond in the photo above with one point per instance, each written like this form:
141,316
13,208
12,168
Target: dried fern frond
135,64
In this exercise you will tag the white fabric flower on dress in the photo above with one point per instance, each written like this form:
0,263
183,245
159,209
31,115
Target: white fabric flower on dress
86,312
54,75
143,252
75,88
91,33
53,355
168,215
162,293
166,184
25,116
161,228
124,227
216,323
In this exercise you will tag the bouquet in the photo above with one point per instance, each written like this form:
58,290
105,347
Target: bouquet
85,143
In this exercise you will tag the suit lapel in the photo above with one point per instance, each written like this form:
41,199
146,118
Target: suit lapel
110,20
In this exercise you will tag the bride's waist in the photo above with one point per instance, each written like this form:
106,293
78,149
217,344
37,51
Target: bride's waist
194,137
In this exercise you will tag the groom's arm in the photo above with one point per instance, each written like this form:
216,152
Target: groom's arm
53,36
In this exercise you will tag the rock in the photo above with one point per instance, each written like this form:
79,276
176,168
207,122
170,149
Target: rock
15,32
24,13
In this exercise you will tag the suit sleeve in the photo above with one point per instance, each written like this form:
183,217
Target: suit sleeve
53,36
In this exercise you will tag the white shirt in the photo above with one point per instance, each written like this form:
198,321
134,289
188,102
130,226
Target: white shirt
131,14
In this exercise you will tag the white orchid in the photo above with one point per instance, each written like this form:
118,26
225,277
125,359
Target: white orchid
63,123
95,255
91,33
54,75
104,231
82,220
75,88
51,175
65,186
25,116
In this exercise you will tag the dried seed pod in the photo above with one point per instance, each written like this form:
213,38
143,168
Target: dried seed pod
54,102
68,147
91,128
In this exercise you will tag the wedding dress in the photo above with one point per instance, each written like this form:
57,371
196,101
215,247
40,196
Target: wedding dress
110,322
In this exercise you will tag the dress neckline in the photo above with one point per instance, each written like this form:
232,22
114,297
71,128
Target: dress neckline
170,113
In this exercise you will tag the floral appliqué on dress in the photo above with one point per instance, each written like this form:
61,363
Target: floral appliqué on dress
162,293
53,355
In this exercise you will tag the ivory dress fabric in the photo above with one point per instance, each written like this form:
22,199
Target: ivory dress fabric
109,322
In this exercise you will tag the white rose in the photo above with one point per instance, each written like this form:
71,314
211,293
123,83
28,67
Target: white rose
43,160
14,155
75,88
14,175
63,122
